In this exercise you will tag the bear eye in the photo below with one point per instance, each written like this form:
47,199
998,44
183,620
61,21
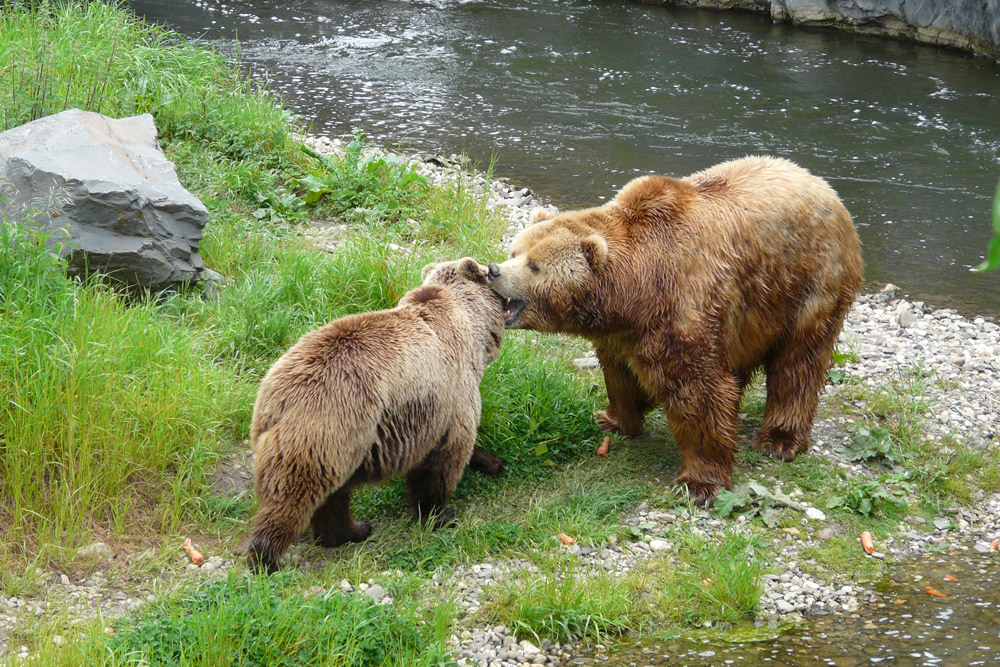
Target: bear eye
533,267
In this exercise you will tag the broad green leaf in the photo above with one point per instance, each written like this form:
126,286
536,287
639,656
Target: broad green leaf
726,502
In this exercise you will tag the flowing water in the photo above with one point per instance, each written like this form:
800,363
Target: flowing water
578,96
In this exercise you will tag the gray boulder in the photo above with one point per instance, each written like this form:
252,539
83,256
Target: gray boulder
107,194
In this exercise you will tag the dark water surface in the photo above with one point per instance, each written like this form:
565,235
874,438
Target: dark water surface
906,626
578,96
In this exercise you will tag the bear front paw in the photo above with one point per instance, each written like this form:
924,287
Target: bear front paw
701,493
487,463
779,445
359,531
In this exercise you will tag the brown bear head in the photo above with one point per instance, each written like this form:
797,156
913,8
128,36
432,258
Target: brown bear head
466,279
552,263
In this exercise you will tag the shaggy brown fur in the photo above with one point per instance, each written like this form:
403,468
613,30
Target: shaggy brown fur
371,396
686,287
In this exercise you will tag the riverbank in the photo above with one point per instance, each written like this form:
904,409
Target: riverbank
972,28
94,573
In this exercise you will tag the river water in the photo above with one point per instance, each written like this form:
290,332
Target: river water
578,96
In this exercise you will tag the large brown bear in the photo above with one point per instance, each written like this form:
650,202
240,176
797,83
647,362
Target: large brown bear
371,396
686,287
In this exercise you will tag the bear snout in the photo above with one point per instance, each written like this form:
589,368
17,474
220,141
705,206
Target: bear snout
493,272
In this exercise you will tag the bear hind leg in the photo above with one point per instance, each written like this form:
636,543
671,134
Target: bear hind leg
431,484
795,376
333,524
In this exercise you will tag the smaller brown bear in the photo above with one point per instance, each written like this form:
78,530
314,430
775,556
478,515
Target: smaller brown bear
371,396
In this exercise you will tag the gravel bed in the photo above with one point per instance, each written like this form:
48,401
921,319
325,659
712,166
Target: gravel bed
890,336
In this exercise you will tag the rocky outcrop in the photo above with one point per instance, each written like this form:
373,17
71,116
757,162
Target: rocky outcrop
107,195
971,25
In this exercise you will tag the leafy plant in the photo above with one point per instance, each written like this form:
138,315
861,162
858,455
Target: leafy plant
753,500
364,187
993,252
872,445
873,496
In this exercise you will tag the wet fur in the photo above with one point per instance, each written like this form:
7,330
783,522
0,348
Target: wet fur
369,397
686,287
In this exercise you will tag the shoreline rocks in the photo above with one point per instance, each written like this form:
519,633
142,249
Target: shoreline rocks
973,27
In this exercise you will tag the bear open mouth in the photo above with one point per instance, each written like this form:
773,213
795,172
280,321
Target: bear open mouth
511,311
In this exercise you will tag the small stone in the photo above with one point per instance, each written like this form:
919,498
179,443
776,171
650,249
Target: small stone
99,549
825,534
586,363
345,586
658,545
376,593
57,640
983,548
941,523
784,606
813,513
528,650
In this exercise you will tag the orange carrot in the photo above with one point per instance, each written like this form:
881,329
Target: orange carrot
866,542
995,545
602,451
935,593
193,553
566,539
948,577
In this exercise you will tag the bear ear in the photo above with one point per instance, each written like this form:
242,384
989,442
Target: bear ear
595,249
427,269
539,214
470,269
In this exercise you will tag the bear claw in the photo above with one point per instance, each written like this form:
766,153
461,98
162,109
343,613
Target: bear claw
701,494
610,424
783,449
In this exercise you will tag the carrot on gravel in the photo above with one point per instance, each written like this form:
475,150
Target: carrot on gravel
602,451
193,553
935,593
948,577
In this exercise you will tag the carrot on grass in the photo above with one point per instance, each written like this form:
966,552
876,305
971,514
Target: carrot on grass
602,451
193,553
566,539
866,542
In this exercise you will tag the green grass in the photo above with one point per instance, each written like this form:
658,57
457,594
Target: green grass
560,604
714,581
242,620
102,401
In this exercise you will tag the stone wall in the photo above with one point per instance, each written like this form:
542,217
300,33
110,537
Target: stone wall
970,25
